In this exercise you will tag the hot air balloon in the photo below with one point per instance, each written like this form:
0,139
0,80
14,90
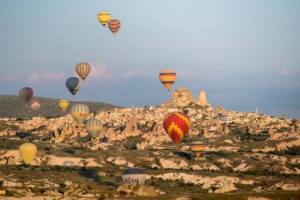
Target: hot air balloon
63,104
28,151
93,127
197,148
35,106
134,176
68,163
176,125
83,69
103,17
26,93
80,112
73,84
114,26
167,78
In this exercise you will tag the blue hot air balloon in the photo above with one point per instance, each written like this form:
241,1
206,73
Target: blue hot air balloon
73,84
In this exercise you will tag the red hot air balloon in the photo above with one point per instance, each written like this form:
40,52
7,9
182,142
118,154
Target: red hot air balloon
26,93
114,26
177,124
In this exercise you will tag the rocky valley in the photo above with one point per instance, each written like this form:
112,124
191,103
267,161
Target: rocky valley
246,155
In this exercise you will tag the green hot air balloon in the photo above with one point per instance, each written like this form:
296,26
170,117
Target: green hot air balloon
73,84
93,127
80,112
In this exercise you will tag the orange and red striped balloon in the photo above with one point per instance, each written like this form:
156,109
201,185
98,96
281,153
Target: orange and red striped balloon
177,124
114,26
197,148
167,78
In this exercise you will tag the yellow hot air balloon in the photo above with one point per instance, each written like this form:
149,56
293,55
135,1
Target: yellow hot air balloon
197,148
28,151
83,69
103,17
80,112
167,78
63,104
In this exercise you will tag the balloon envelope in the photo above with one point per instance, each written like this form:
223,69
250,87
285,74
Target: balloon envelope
176,125
103,17
35,106
28,151
26,93
80,112
63,104
83,69
93,127
167,77
68,163
114,26
73,84
134,176
197,148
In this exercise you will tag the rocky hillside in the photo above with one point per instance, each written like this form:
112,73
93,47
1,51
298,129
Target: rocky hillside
246,155
15,107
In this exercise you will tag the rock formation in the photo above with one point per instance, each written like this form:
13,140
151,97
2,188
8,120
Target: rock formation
202,100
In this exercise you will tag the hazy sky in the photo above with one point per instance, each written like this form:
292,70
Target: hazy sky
243,54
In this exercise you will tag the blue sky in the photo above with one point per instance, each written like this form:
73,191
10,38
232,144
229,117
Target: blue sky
243,54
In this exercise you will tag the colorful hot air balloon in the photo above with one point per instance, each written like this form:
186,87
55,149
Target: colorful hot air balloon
197,148
80,112
176,125
83,69
73,84
93,127
28,151
26,93
103,17
167,78
134,176
114,26
63,104
35,106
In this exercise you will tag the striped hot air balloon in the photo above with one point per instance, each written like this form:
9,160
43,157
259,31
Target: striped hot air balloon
114,26
80,112
83,69
26,93
167,78
93,127
197,148
103,17
73,84
63,104
176,125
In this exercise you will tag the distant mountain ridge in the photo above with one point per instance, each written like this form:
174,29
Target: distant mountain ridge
12,106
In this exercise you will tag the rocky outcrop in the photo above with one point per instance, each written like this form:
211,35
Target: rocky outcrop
219,184
202,100
180,97
137,190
